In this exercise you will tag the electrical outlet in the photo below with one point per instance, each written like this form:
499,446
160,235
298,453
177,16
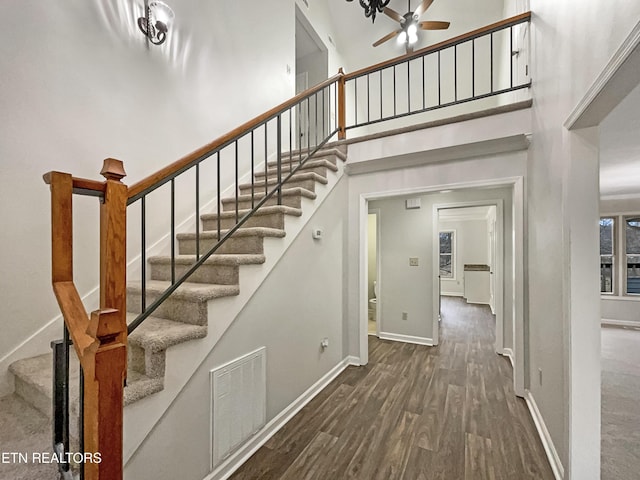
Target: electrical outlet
540,375
405,315
413,261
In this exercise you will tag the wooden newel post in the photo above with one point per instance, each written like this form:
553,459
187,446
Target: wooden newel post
342,106
104,384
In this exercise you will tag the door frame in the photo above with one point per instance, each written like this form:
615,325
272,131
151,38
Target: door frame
520,359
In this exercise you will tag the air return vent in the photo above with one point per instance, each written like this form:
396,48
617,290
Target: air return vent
238,403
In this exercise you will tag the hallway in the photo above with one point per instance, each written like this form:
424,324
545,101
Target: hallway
414,412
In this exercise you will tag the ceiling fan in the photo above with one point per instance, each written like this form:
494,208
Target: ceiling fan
409,25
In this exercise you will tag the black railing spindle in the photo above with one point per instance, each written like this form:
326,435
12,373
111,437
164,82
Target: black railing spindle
173,231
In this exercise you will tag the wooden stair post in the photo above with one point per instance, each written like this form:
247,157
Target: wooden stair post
104,383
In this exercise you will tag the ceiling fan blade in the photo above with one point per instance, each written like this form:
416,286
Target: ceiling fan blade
433,25
387,37
391,13
422,8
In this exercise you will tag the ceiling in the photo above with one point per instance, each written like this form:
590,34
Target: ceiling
355,34
620,149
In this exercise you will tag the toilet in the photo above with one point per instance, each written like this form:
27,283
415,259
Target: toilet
373,302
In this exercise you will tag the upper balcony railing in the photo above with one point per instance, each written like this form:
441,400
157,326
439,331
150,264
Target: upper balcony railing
477,65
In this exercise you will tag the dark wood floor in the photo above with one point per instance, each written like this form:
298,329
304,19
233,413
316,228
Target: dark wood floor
414,413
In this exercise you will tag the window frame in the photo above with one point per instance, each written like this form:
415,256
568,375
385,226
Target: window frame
624,257
453,255
614,244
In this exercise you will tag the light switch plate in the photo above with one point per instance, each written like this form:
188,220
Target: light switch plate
413,261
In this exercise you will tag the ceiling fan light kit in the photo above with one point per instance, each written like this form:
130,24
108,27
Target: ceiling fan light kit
409,26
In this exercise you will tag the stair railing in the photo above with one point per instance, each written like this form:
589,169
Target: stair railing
440,75
301,125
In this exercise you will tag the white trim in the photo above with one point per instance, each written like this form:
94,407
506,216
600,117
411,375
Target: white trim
396,337
591,110
630,297
621,196
508,352
451,294
620,323
235,460
545,437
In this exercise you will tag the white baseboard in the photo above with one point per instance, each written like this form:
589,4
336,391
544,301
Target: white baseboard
508,352
396,337
233,462
545,437
620,323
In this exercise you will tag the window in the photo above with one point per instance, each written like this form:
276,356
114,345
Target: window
632,242
606,254
447,249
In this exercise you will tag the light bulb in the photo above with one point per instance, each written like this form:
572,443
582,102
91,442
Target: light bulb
161,12
402,37
412,30
413,39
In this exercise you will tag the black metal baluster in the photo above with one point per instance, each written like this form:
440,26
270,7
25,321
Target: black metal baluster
197,211
173,231
380,94
266,157
81,419
424,86
237,181
252,174
219,207
455,73
394,90
324,113
408,86
143,255
511,54
290,141
473,67
355,100
308,125
315,117
61,397
368,101
491,62
439,81
279,157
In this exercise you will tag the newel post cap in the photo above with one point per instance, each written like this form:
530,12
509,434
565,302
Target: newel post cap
113,169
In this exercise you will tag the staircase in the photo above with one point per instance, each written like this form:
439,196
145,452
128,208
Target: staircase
184,316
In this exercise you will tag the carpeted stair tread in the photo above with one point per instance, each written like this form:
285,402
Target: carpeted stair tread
215,259
157,334
241,232
197,292
259,195
295,177
25,429
270,210
38,373
320,154
287,166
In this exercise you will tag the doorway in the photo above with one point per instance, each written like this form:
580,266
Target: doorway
312,67
469,253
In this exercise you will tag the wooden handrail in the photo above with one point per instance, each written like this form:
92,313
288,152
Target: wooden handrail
441,45
80,184
164,174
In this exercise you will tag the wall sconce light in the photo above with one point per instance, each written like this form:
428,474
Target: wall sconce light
155,24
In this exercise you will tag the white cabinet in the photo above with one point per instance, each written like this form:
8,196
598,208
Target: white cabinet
476,283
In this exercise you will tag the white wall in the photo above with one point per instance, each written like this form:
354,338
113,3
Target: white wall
472,247
562,172
290,319
619,307
80,85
